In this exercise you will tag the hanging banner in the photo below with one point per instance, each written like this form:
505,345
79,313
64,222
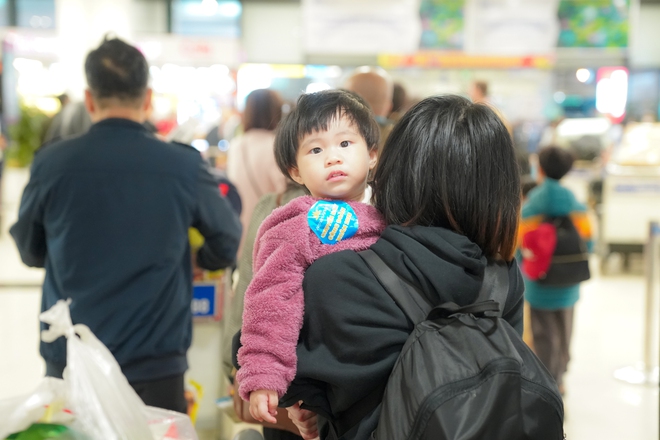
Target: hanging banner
364,27
511,27
442,24
596,23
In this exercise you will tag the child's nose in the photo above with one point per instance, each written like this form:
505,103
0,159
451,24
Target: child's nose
333,158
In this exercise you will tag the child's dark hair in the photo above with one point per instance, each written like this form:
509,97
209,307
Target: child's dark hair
451,163
314,112
555,162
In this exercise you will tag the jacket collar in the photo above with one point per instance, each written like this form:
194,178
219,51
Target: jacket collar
118,123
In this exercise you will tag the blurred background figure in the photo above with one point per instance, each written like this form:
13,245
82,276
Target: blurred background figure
375,86
552,302
251,162
71,120
479,91
399,102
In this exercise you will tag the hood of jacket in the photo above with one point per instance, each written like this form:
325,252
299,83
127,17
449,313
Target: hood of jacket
440,263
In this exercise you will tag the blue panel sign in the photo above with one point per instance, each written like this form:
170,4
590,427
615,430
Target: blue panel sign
204,303
637,188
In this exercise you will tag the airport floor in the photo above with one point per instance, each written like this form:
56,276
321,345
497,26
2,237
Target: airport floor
608,335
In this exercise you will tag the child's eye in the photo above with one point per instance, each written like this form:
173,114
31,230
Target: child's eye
316,150
345,144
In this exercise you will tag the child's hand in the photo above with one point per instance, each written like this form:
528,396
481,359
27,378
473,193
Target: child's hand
305,420
263,405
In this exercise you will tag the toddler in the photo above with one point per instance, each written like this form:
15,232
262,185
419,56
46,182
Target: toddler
329,144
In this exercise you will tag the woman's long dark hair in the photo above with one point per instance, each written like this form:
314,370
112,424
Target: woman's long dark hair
451,163
263,109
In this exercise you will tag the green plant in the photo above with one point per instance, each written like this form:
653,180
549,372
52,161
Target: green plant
26,136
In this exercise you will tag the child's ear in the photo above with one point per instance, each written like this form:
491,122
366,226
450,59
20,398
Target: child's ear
295,175
373,157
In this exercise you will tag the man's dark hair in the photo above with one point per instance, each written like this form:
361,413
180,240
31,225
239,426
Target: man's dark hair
555,162
315,112
117,70
263,109
451,163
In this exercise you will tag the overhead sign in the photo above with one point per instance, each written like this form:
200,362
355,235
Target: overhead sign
511,27
361,26
448,60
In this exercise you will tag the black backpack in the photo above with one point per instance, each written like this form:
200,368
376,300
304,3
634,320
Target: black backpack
570,260
464,372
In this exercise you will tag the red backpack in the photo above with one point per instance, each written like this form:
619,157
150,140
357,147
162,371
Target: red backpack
554,254
537,249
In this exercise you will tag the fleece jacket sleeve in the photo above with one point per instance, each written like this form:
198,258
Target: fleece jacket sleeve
268,353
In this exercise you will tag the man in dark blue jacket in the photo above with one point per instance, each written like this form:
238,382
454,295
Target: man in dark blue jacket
107,215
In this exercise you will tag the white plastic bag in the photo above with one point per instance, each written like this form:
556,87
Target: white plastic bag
105,405
102,403
169,425
18,413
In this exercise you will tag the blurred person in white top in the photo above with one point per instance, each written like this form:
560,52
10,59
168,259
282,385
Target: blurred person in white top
251,165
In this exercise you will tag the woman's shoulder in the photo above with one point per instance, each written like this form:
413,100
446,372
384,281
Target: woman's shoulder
346,260
345,268
343,276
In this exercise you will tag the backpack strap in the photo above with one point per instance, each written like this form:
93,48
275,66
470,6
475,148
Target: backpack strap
413,303
415,306
495,285
491,298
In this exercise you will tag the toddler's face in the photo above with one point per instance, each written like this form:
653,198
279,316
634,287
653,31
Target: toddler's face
334,164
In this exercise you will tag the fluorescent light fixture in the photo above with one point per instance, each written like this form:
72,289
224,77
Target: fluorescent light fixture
252,77
209,7
25,65
612,93
322,72
200,145
583,75
229,9
317,87
575,128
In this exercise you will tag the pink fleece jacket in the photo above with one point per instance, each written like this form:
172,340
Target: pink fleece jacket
274,303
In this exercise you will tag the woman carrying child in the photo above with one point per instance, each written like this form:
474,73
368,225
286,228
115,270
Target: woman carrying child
448,186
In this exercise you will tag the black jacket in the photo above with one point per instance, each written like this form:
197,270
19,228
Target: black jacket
353,331
107,214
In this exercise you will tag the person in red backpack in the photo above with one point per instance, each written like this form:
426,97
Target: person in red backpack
551,306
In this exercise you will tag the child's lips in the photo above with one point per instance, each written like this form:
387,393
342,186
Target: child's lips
336,175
